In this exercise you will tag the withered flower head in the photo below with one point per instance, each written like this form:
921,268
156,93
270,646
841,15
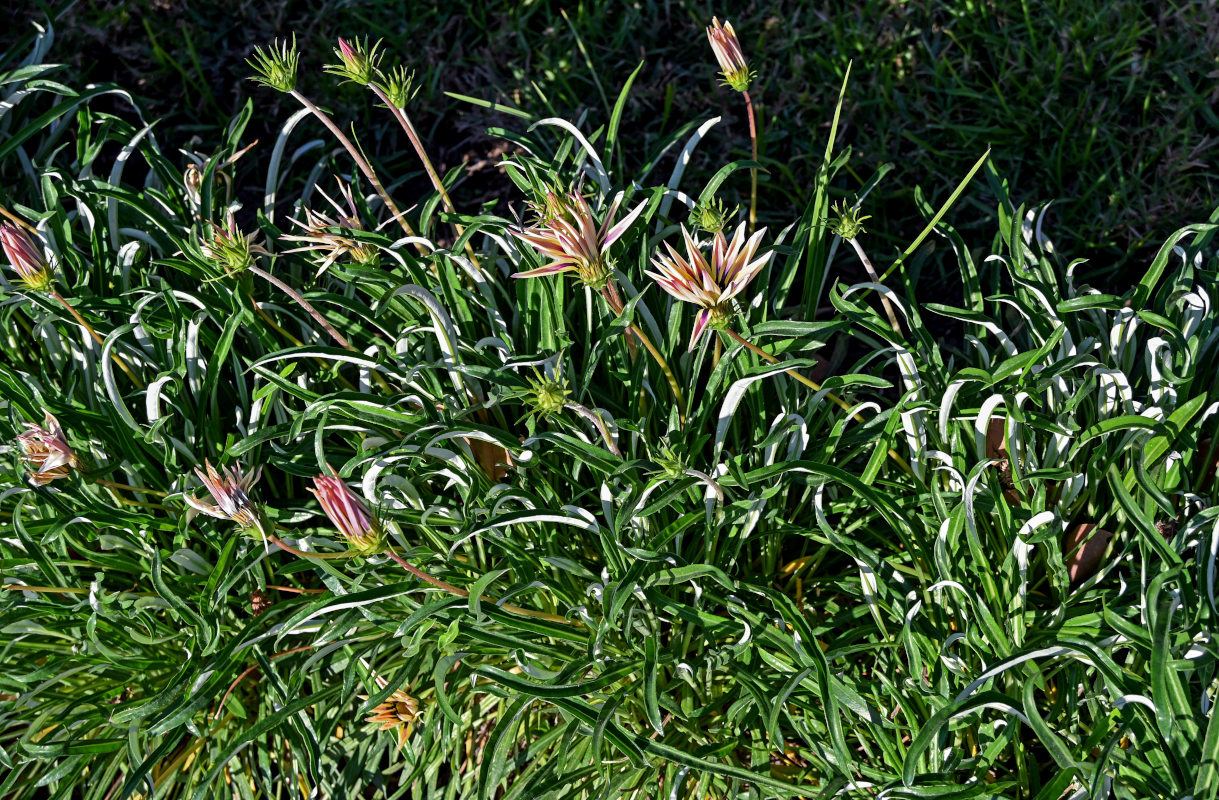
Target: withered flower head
47,450
727,49
710,285
26,257
348,513
230,489
398,713
319,236
567,234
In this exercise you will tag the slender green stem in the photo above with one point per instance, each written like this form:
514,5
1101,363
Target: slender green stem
812,384
280,543
361,162
84,323
417,143
809,382
615,304
459,592
753,171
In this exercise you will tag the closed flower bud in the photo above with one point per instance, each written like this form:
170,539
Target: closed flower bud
275,66
727,49
348,513
26,257
357,62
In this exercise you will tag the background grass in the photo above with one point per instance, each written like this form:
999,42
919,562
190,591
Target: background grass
1103,106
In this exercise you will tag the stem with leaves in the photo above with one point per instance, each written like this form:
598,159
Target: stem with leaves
84,323
616,305
812,384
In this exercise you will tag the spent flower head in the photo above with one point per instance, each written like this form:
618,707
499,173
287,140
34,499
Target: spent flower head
398,85
357,61
348,512
847,221
567,234
230,249
230,489
321,238
727,49
26,257
398,713
710,284
46,449
275,65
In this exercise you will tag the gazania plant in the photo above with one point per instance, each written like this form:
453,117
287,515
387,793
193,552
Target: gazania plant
601,490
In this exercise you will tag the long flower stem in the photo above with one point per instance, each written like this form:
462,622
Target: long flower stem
361,162
417,143
753,171
810,383
317,315
129,488
615,304
84,323
305,304
279,329
459,592
901,462
867,264
280,543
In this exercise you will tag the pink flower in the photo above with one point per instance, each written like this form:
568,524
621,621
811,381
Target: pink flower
348,513
230,489
318,238
26,257
567,234
710,284
727,49
47,449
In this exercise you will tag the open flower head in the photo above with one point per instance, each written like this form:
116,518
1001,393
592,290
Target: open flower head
321,238
710,284
26,257
727,49
398,713
46,449
230,489
567,234
348,513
